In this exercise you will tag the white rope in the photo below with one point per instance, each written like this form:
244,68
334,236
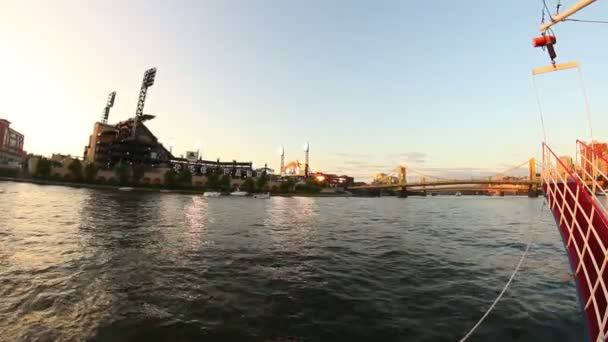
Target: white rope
585,97
540,108
521,261
587,105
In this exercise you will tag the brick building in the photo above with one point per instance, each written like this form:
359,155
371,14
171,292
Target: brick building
11,146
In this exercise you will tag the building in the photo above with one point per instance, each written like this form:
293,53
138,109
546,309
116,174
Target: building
202,167
128,141
384,179
332,180
131,142
294,168
596,153
565,167
11,146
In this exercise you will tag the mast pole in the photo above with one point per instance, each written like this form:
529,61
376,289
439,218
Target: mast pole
565,14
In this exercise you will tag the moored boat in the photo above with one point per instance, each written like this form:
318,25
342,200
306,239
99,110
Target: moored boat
238,192
262,196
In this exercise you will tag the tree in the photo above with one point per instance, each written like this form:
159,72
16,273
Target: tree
310,186
170,178
212,182
249,185
262,181
288,185
123,172
185,177
137,173
90,172
75,169
43,168
224,183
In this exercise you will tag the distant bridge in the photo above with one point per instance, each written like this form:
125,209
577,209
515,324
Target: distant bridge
497,183
439,183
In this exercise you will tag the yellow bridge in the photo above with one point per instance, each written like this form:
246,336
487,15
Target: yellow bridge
496,183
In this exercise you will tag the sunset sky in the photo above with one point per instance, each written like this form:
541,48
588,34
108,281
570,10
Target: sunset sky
441,86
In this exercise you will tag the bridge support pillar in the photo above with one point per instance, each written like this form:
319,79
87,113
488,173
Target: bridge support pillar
402,193
532,191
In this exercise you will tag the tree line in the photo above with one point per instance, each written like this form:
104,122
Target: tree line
132,175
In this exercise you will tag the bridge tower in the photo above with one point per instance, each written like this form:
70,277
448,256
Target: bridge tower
402,177
533,189
532,168
402,174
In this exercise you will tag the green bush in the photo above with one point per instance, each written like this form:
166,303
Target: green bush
123,173
43,169
170,178
137,173
309,187
75,168
90,173
9,172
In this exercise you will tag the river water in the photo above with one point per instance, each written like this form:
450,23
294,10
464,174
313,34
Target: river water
101,265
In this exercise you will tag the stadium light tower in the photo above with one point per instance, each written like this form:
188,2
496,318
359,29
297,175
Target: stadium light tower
109,104
282,170
306,159
147,82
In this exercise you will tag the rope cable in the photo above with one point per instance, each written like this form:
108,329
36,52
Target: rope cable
546,8
512,168
540,108
587,21
587,105
506,287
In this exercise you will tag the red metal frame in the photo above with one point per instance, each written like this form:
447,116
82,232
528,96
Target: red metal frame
583,224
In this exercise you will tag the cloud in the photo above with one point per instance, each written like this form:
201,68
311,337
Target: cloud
409,157
352,155
364,166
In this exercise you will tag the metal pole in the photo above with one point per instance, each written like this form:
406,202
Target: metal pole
565,14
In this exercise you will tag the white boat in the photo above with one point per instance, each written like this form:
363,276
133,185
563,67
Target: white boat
262,196
458,193
125,188
239,193
212,194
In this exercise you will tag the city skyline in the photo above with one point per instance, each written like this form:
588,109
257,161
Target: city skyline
371,86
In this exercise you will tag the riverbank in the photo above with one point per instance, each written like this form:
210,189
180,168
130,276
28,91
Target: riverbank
145,189
95,186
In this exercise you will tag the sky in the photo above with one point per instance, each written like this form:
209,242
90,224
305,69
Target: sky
443,87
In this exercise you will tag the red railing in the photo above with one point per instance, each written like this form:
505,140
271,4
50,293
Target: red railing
593,167
583,224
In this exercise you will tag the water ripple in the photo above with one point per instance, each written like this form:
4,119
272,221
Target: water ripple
97,265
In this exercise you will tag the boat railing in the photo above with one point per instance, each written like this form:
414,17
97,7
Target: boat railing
591,168
584,228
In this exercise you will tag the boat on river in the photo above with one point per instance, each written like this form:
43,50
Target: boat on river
212,194
125,188
238,192
262,196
